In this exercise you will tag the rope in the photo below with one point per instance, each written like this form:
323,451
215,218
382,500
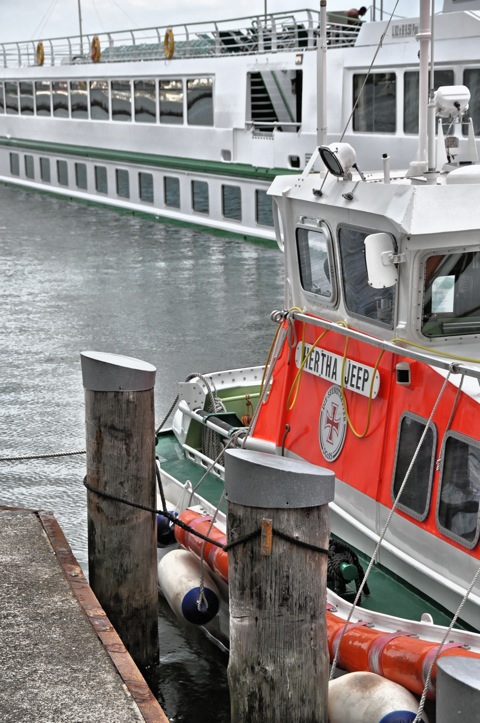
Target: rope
387,523
47,455
421,706
235,543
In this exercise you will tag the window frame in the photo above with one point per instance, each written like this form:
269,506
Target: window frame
398,450
469,544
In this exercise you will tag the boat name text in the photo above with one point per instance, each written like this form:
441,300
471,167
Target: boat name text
404,30
357,377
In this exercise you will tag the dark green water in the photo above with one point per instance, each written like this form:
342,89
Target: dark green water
75,278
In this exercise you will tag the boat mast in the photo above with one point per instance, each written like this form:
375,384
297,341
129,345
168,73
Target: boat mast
322,78
80,26
424,36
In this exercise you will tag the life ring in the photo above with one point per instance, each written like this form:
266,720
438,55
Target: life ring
169,44
40,53
96,51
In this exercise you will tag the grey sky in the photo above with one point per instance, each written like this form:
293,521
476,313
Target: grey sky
40,19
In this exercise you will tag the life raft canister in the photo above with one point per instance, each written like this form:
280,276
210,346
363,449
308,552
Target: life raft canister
40,53
169,44
96,51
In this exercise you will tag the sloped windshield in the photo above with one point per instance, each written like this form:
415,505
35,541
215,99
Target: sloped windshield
451,300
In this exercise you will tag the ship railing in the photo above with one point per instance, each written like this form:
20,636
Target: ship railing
400,347
249,35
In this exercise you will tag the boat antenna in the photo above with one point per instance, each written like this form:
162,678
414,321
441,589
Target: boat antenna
80,26
322,77
432,160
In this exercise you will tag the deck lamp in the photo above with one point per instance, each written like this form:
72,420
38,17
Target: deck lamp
339,158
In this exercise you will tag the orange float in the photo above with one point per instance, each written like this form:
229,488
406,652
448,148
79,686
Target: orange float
398,656
215,557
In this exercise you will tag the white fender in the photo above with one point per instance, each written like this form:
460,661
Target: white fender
369,698
179,576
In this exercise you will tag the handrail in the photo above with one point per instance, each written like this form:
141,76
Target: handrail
293,30
435,359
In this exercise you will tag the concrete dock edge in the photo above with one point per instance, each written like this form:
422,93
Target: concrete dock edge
131,684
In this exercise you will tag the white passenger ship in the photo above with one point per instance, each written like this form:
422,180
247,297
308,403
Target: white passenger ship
190,123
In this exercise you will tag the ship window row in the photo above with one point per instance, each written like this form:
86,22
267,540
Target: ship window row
75,174
457,504
172,101
375,99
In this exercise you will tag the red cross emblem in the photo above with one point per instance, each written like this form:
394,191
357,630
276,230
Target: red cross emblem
332,423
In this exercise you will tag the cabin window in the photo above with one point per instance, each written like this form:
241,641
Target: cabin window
81,176
29,167
376,99
123,183
171,101
62,173
410,90
11,97
99,109
458,502
232,202
14,164
361,299
79,98
171,187
145,101
26,98
315,261
121,100
2,99
200,202
263,208
415,497
145,187
471,78
45,169
60,98
43,98
451,297
101,183
200,101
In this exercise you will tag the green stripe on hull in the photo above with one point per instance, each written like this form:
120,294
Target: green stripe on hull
215,168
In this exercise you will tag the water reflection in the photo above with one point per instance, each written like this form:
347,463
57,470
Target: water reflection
75,278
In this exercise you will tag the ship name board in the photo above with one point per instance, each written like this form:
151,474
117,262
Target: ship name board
357,377
404,30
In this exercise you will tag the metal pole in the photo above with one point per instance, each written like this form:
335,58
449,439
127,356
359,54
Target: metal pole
80,26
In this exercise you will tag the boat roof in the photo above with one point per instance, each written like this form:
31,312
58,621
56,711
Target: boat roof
415,209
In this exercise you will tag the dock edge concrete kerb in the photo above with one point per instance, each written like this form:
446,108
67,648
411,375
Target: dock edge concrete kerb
128,671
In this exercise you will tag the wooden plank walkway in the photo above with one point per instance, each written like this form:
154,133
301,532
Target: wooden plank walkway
60,657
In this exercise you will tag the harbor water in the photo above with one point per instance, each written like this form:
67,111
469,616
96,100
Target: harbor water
74,278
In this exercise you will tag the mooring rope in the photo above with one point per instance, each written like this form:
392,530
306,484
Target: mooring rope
46,455
387,523
172,518
421,705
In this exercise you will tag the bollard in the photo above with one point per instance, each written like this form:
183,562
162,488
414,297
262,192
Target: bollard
458,690
122,548
279,664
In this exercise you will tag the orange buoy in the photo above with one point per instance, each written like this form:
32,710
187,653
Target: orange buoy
214,556
397,656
